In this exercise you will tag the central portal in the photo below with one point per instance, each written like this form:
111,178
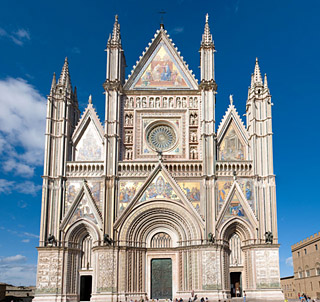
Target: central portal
161,279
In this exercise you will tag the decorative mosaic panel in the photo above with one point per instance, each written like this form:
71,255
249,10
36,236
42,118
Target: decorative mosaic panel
159,189
211,276
234,209
127,190
192,191
89,147
231,147
162,72
83,210
246,184
73,188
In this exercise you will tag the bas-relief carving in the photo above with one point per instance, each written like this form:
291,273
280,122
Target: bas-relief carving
246,184
49,273
159,189
107,266
267,268
127,190
192,191
162,72
89,147
231,147
211,279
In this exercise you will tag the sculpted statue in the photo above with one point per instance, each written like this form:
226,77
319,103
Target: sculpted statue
269,237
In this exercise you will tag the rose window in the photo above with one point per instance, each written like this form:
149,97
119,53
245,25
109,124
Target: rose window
161,137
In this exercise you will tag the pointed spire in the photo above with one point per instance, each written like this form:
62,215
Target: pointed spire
207,37
257,79
265,82
64,79
54,81
115,39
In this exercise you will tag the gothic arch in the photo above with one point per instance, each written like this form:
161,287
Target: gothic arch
237,226
79,230
156,216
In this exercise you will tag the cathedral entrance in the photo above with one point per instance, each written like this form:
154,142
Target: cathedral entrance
236,284
85,288
161,279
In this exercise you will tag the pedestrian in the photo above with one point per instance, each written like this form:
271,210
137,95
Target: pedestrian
207,300
244,296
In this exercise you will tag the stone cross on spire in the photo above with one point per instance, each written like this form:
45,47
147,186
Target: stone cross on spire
207,37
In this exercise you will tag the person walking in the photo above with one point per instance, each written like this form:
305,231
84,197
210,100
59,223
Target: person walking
244,296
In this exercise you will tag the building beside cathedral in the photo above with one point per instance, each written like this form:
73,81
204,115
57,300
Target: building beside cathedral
158,200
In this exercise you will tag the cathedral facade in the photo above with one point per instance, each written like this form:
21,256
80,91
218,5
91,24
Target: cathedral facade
157,201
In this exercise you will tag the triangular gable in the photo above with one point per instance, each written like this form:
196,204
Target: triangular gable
232,137
159,185
88,137
83,207
161,67
236,206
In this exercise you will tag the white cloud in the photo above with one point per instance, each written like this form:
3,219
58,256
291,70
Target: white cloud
19,37
26,187
15,270
31,235
177,30
16,258
22,127
289,261
25,240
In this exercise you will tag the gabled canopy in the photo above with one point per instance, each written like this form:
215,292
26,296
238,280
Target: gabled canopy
232,131
88,136
161,67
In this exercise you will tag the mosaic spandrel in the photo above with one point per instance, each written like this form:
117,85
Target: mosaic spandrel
234,209
89,147
231,147
127,190
192,191
83,210
246,185
159,189
162,72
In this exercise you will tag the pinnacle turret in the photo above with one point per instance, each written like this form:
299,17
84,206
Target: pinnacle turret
265,82
257,79
54,82
115,38
64,79
207,40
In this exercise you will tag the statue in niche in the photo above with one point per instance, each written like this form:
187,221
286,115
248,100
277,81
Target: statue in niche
193,119
190,102
165,102
195,103
131,103
193,137
126,104
194,153
171,103
178,103
128,137
128,154
127,120
269,237
157,102
151,102
144,102
138,103
184,102
131,120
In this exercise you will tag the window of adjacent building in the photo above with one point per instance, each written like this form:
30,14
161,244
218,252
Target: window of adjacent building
316,247
305,251
307,272
318,271
300,274
298,254
311,286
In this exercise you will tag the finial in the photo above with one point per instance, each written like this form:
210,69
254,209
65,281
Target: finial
257,61
231,99
265,82
54,81
90,99
257,79
162,13
160,156
206,36
116,18
65,76
234,175
207,18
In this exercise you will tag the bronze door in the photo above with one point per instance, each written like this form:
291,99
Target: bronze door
161,279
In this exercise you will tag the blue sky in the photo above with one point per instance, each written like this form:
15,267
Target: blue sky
35,37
